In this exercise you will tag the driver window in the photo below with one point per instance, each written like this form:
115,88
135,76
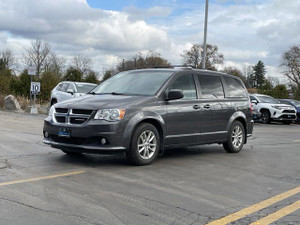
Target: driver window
72,87
187,85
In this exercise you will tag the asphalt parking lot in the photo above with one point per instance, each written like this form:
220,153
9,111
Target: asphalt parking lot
198,185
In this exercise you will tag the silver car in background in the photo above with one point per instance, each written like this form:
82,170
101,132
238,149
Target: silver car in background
68,89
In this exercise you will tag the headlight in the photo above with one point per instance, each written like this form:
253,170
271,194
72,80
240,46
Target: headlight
51,111
110,114
277,107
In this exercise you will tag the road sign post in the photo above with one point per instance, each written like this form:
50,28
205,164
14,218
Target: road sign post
35,88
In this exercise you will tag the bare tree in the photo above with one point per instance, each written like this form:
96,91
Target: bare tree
235,72
37,54
139,61
291,64
193,56
7,59
82,63
55,64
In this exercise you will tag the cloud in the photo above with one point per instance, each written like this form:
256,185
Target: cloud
244,30
73,22
142,14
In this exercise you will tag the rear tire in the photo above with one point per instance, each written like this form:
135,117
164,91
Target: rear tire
265,117
145,145
236,138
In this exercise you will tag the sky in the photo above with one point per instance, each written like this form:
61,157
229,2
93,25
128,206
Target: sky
245,31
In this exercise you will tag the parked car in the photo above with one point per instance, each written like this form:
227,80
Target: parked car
142,112
294,103
256,115
67,90
272,110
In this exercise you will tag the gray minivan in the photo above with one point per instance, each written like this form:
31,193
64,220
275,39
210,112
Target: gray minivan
142,112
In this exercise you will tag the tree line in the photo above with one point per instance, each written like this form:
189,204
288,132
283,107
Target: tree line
51,69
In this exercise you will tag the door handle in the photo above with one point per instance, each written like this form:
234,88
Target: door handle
207,107
196,106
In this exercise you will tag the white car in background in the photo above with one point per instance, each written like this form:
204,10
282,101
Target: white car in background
68,89
272,110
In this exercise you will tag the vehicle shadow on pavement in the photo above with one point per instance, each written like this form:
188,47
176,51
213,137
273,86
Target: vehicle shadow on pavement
119,160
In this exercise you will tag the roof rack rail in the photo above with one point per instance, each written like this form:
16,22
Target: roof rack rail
175,66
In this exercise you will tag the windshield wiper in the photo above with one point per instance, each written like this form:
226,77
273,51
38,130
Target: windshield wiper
111,93
117,93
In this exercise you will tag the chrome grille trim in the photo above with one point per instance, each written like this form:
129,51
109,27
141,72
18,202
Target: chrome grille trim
69,115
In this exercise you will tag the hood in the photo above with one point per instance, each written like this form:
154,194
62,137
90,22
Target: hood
283,106
107,101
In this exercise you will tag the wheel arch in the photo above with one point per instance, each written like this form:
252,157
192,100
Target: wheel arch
241,117
53,99
155,120
265,109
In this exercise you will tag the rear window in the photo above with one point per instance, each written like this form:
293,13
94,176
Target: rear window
235,88
211,87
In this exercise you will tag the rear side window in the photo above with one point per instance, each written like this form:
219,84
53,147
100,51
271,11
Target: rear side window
59,87
211,87
187,85
235,88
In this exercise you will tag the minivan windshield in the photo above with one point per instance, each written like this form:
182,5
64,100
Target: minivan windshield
267,99
134,83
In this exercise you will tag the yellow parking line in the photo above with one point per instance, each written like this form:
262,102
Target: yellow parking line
279,214
254,208
297,141
42,178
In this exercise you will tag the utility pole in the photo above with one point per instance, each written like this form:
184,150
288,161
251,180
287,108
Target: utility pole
205,35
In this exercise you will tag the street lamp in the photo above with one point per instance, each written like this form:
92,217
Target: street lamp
205,35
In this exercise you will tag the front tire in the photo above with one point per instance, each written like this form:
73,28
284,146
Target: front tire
145,145
265,117
236,138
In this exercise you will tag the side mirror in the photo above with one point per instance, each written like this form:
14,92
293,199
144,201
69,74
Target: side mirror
70,91
254,102
174,94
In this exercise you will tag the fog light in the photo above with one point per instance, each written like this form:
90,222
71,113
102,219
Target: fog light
103,141
46,134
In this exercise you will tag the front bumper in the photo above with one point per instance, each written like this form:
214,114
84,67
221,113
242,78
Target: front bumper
283,115
286,117
85,138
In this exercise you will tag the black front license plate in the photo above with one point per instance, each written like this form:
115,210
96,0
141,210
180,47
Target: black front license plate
64,132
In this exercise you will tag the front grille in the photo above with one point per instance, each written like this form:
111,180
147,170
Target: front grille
77,120
60,110
72,116
288,111
82,111
291,117
60,119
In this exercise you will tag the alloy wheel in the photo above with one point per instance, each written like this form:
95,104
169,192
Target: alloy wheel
147,144
237,137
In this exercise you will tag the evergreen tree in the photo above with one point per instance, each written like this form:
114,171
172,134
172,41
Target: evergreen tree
258,77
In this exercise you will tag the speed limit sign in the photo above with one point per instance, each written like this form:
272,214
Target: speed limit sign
35,88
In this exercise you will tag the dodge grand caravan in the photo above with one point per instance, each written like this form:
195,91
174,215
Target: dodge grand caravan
142,112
